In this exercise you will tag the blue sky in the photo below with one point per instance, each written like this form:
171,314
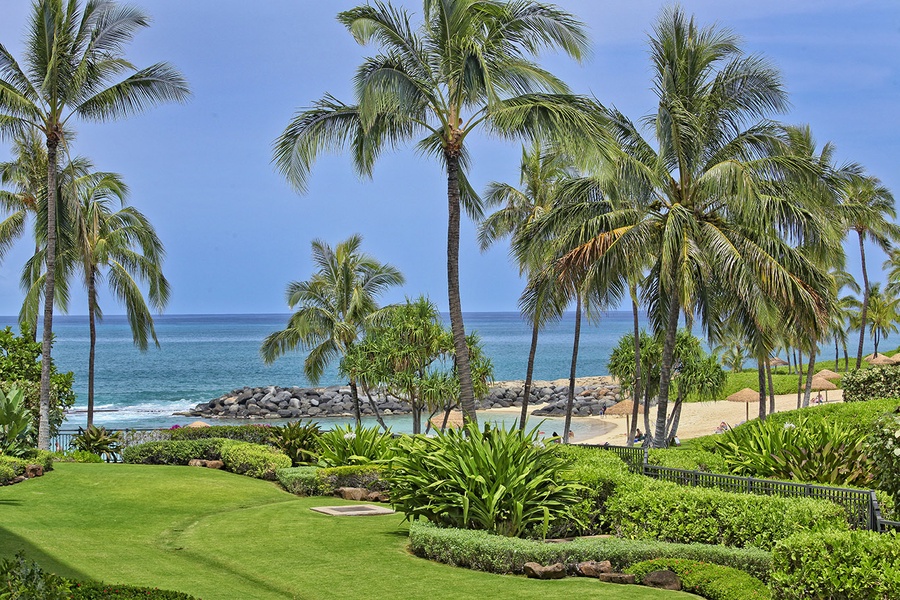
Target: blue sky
236,233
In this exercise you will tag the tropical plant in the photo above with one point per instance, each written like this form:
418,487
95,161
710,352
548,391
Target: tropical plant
344,446
334,306
500,480
22,579
299,441
867,208
99,441
809,450
15,423
73,57
884,444
20,367
707,206
883,314
465,67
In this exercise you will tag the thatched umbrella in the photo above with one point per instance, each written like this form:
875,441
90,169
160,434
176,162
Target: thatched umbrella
826,374
454,420
820,384
777,362
198,424
880,360
625,407
747,396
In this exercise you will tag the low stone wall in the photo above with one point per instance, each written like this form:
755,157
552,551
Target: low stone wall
296,402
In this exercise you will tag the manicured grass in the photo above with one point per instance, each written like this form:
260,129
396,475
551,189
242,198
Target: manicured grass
217,535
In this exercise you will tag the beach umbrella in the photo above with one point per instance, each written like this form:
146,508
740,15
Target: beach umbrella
625,407
777,362
198,424
820,384
454,420
747,396
826,374
879,360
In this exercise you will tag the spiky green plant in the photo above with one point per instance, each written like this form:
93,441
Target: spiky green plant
299,441
343,446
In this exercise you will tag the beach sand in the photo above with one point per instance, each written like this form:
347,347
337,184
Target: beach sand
697,418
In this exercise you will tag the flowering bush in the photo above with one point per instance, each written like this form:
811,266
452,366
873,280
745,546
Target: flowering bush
871,384
885,449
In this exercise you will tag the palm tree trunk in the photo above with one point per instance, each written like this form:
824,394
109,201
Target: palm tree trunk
92,310
864,312
665,370
836,355
672,426
771,388
354,393
571,399
646,416
374,406
529,374
636,396
49,291
466,389
761,371
809,375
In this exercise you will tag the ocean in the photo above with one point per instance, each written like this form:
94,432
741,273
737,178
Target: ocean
204,356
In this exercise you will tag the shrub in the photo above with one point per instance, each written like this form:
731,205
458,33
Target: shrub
174,452
21,579
44,458
77,456
600,472
672,513
502,480
850,565
871,384
707,581
104,591
884,444
299,441
348,445
299,480
253,460
690,459
97,440
815,450
370,477
483,551
255,434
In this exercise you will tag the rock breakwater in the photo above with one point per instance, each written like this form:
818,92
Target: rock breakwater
304,403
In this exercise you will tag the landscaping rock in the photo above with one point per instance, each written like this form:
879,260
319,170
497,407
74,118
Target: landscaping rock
593,568
196,462
351,493
215,464
664,580
536,571
623,578
377,497
33,471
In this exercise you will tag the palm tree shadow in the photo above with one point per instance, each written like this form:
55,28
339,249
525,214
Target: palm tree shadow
11,544
10,502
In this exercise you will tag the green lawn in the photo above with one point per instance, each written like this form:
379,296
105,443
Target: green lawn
222,536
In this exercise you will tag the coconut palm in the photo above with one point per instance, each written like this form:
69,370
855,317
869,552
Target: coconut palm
883,314
73,61
541,170
705,210
868,209
466,67
334,306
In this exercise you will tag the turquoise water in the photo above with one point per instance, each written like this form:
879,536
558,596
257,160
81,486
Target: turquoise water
203,356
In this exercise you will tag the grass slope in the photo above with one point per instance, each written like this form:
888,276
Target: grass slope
222,536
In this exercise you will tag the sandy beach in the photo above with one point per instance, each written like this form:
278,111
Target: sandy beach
697,418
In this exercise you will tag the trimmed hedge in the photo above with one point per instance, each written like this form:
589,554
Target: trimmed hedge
315,481
253,460
714,582
868,384
690,459
673,513
255,434
104,591
302,481
173,452
847,565
483,551
13,466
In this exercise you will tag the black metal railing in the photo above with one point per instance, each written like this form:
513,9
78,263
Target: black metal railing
861,506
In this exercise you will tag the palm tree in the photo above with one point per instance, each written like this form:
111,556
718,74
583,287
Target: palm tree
868,209
334,306
73,58
540,171
704,212
883,313
121,247
465,67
